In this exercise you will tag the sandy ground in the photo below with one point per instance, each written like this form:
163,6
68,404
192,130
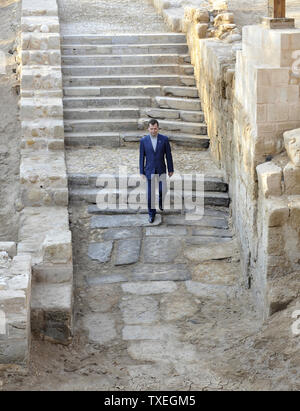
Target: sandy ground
90,16
9,121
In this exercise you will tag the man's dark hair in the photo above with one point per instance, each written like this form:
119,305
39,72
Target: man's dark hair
152,122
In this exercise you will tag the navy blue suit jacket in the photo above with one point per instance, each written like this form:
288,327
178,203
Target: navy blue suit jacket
155,160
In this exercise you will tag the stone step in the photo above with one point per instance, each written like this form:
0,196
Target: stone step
122,101
183,139
179,126
110,91
100,113
83,49
171,114
185,69
89,139
108,139
81,180
111,60
98,81
91,195
178,103
110,39
104,125
181,91
206,221
219,212
189,140
51,311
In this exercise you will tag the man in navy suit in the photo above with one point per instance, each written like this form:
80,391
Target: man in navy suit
155,148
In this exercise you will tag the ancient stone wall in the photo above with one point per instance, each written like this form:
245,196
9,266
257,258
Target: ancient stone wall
10,127
44,227
15,298
250,97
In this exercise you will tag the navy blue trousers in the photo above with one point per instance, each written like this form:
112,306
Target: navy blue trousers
151,189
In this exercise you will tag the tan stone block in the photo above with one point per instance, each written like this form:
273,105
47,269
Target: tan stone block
277,211
292,145
50,128
61,197
56,144
291,175
277,112
48,57
34,144
275,241
224,18
38,23
9,247
269,179
201,29
201,16
39,8
294,206
40,41
57,247
32,108
44,78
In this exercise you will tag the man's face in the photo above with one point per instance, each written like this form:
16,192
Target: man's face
153,129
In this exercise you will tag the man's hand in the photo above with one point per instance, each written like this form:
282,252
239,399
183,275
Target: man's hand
170,174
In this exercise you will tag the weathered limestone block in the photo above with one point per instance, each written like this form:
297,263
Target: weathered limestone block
292,145
57,247
35,223
277,211
39,8
220,5
40,41
201,16
189,14
269,179
15,301
224,18
43,168
39,107
51,312
46,58
291,175
43,128
283,291
43,179
9,247
44,78
231,38
42,24
294,206
36,144
53,273
201,29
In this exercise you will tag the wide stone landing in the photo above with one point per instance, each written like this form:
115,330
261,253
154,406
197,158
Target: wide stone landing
124,248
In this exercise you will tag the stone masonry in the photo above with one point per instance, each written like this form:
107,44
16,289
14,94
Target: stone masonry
44,229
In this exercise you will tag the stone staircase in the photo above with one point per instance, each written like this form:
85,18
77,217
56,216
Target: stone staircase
88,187
113,85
